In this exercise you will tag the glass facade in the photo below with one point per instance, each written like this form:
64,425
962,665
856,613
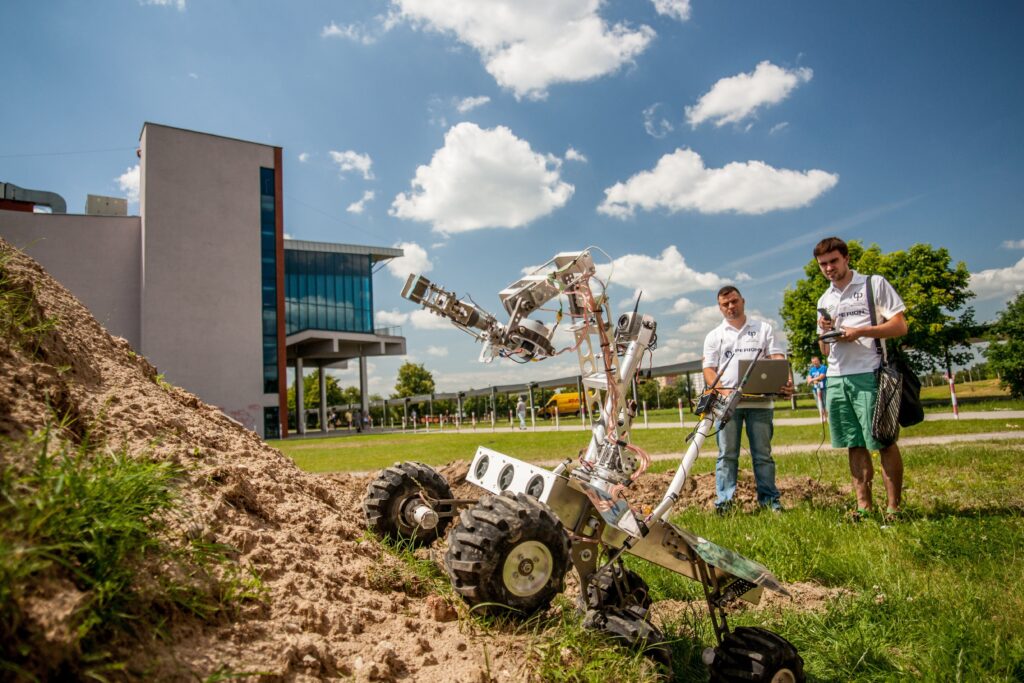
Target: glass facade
327,291
268,277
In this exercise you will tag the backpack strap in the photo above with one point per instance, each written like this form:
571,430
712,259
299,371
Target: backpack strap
879,346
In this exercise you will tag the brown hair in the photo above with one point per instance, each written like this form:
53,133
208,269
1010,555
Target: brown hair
728,289
831,244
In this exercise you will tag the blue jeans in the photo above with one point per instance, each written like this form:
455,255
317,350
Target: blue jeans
759,434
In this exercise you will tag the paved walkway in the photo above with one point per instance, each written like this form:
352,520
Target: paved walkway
547,426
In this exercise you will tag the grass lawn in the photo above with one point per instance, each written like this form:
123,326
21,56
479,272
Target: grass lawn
374,451
928,598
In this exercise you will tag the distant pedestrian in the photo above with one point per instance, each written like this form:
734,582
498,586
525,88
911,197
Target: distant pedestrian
521,412
816,378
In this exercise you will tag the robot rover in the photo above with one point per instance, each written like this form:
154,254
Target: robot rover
511,549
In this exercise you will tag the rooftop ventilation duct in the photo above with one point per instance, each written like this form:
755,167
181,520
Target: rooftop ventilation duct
38,197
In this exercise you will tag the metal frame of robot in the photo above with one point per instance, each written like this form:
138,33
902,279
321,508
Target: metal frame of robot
588,495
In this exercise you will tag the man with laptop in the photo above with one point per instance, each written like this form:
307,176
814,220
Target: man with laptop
736,340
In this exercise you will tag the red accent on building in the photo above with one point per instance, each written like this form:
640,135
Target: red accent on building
12,205
282,351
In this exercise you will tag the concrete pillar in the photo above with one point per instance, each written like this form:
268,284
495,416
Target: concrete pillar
322,377
494,408
300,398
533,414
364,390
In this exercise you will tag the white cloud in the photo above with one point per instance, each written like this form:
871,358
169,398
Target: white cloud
193,75
658,277
677,9
778,127
303,157
734,98
529,45
656,127
289,236
482,178
129,183
353,161
683,305
575,155
357,207
999,282
422,319
390,318
1013,244
353,32
178,4
467,104
415,260
681,182
364,34
437,351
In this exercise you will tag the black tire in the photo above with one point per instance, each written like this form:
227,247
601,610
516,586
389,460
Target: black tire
756,654
618,587
631,629
508,552
390,494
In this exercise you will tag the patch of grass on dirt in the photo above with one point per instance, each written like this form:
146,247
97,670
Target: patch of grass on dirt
80,524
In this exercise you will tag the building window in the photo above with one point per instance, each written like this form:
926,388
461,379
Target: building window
328,291
268,272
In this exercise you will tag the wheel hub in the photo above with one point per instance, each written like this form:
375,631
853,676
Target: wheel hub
527,568
784,676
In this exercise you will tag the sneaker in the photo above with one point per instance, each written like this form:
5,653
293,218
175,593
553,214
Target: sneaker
722,509
775,507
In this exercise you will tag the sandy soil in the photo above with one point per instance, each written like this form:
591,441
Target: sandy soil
329,614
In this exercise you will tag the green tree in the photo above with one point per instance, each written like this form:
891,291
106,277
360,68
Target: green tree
935,292
350,395
413,380
311,392
1005,352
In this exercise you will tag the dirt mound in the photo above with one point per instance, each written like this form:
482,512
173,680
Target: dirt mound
699,491
328,613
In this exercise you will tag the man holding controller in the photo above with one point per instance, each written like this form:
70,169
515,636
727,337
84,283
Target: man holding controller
845,321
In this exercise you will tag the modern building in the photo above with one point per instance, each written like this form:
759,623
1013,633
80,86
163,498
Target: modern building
203,283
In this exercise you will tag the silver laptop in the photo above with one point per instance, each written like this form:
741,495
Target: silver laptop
767,377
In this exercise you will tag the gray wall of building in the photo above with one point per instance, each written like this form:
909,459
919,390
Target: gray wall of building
200,206
95,257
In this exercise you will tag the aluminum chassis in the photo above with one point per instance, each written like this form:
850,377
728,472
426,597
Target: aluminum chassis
588,495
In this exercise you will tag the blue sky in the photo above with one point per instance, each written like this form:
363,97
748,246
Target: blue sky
696,142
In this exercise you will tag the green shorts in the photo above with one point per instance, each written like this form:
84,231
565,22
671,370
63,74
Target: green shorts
850,401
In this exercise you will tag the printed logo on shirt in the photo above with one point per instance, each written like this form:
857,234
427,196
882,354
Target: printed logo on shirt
751,333
855,311
748,349
857,296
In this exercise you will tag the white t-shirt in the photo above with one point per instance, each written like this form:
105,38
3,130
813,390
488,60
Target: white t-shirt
725,342
849,308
